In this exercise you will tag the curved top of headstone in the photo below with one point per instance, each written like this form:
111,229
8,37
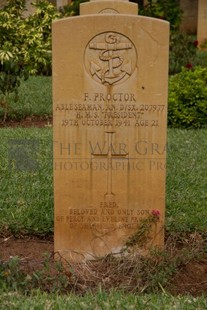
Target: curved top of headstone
108,7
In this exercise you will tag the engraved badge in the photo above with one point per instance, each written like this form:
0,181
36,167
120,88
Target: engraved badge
110,58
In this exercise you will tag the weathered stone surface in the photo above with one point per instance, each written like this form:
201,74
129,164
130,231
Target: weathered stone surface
189,18
202,24
108,7
110,79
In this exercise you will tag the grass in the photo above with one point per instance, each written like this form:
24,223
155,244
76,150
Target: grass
100,301
186,180
114,300
35,98
26,198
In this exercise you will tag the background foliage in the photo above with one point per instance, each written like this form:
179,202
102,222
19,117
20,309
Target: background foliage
183,50
164,9
25,48
187,104
27,40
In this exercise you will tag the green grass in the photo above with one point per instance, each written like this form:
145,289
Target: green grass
35,98
187,180
26,197
100,301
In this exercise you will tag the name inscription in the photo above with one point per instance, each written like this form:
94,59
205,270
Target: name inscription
107,110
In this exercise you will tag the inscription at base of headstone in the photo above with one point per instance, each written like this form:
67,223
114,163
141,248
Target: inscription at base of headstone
110,80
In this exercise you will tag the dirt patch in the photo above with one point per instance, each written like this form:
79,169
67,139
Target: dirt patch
30,248
29,121
189,279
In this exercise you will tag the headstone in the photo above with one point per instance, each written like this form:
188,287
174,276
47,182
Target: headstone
189,19
108,7
202,24
62,3
110,81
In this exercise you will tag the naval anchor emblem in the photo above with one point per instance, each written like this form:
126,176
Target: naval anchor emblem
110,58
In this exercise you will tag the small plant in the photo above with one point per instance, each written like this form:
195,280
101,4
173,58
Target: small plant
188,98
49,275
143,232
183,48
10,273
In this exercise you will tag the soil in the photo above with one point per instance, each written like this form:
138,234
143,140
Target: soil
191,278
29,121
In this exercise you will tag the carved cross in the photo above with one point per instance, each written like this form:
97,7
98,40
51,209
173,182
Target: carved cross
109,156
